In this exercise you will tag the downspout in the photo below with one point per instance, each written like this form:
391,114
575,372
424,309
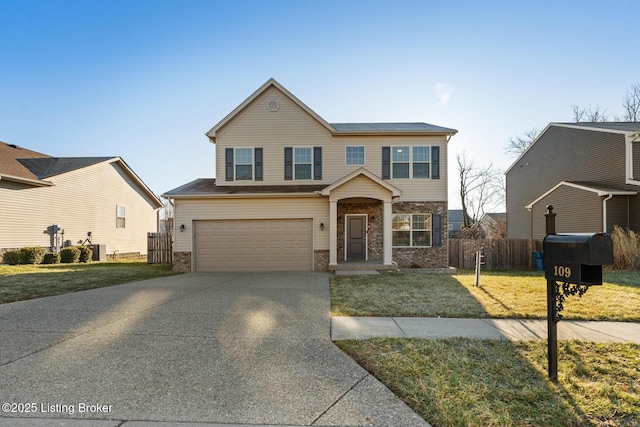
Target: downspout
604,212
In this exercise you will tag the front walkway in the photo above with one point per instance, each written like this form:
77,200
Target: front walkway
358,328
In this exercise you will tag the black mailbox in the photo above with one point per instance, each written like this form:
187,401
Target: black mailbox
577,258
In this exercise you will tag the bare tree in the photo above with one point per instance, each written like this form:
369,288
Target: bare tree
516,145
481,188
631,104
589,114
166,215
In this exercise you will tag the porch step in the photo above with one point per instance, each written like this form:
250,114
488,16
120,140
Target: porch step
356,272
362,266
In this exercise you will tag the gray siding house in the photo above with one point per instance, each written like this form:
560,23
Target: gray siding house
589,172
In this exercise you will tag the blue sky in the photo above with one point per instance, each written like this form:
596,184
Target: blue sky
145,80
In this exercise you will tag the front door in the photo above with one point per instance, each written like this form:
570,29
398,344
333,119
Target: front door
356,238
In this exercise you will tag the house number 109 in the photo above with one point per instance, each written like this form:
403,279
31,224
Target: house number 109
561,271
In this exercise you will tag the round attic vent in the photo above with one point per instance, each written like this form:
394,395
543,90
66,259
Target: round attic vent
273,105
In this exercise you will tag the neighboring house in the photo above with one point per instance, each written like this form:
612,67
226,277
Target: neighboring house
494,225
294,192
455,221
101,195
589,173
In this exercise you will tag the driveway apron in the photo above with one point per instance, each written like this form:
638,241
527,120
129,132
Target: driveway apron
230,348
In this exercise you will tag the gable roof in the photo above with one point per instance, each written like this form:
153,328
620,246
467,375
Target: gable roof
12,170
605,126
51,166
335,128
626,128
268,84
395,191
30,167
596,188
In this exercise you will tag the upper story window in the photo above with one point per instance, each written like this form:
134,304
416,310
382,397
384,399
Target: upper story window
120,217
354,155
400,162
419,161
302,162
244,164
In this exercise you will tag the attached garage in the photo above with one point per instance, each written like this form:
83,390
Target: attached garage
253,245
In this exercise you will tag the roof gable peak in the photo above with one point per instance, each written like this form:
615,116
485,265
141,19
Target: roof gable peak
271,83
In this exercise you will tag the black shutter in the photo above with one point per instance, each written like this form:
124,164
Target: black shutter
228,163
437,230
386,162
435,162
317,163
288,163
258,164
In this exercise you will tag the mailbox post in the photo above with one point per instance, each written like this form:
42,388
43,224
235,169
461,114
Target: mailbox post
573,263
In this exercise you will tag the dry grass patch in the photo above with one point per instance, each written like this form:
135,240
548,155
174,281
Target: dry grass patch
463,382
22,282
501,295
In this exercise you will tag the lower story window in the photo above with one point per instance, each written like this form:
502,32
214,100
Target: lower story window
411,230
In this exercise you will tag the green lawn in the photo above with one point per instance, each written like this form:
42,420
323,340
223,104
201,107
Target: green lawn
501,295
21,282
463,382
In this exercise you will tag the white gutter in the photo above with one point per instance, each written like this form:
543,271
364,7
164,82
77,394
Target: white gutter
604,212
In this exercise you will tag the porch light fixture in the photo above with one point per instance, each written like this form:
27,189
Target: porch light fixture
182,228
322,226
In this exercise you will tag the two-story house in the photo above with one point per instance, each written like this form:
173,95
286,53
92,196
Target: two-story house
589,173
294,192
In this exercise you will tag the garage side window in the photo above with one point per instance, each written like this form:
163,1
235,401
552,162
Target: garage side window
120,217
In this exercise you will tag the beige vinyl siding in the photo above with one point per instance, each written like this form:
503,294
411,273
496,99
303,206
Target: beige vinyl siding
290,126
315,208
561,154
80,201
360,186
578,211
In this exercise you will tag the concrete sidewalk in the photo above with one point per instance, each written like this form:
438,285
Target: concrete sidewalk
343,328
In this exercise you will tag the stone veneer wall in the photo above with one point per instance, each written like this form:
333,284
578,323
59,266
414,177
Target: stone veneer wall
433,257
321,260
374,219
182,262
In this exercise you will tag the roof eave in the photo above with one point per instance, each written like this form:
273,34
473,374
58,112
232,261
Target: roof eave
34,182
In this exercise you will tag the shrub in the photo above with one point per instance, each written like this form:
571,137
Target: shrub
12,257
32,255
69,255
85,253
626,249
51,258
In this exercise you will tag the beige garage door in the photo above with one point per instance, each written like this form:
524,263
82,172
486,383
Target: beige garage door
254,245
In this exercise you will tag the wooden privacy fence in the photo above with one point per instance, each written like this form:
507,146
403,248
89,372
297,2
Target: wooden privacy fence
499,254
159,248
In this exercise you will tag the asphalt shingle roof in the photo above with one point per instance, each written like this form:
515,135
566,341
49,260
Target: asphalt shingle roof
390,127
47,167
624,126
207,186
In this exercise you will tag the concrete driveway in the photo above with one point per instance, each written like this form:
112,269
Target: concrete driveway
250,349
